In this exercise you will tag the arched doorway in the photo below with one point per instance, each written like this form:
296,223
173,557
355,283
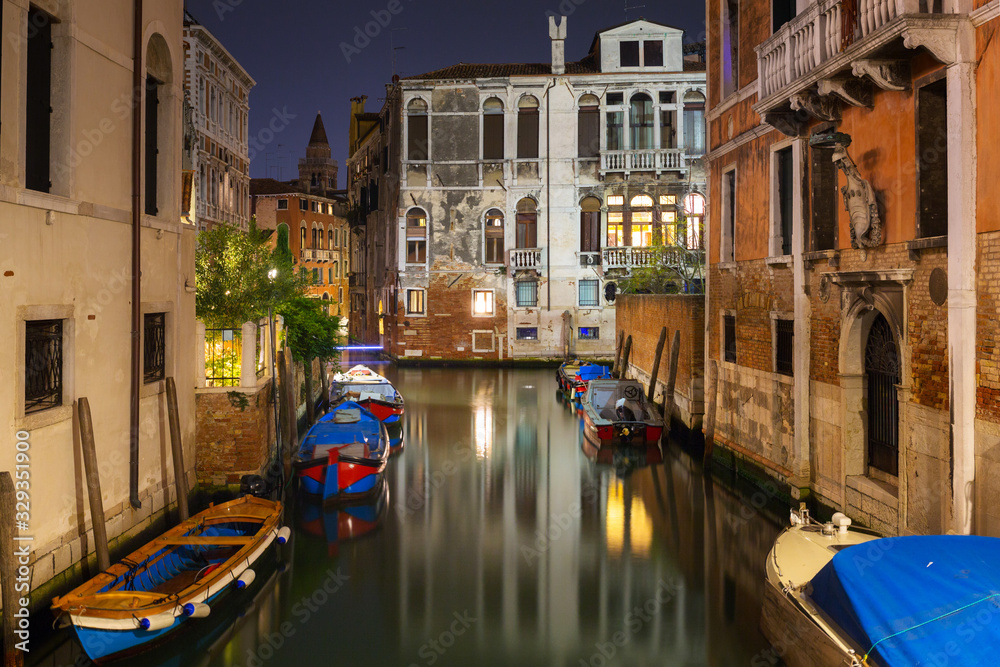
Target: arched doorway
882,369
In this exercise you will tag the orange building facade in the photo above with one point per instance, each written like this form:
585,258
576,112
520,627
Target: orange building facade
317,236
853,254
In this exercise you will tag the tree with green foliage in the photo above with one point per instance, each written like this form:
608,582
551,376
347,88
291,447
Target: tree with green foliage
311,334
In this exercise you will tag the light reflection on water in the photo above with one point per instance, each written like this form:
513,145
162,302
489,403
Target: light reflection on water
498,542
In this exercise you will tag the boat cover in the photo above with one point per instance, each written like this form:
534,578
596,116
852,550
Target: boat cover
328,431
593,372
921,600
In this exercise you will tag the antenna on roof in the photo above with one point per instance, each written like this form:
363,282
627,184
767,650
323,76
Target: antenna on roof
629,8
393,48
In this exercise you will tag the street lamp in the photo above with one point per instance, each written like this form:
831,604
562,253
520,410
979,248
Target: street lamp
272,274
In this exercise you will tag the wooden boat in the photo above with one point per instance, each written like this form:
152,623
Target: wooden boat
585,375
841,596
345,522
144,598
615,413
565,374
343,454
370,390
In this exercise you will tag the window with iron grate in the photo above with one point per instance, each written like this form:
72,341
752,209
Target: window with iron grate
43,365
154,347
784,338
729,337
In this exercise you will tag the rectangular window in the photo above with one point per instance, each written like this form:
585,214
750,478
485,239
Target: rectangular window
590,231
823,177
629,53
694,129
414,302
303,204
527,228
932,160
493,136
43,365
527,132
494,237
329,275
589,293
154,346
152,143
589,333
730,47
616,229
786,183
666,97
336,269
527,333
417,146
482,302
526,292
652,53
416,251
316,277
729,338
784,338
282,204
728,250
616,133
38,116
668,129
589,132
782,11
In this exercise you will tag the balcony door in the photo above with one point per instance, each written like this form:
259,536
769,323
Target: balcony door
527,224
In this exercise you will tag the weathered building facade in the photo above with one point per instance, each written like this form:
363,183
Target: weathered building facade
218,91
67,217
852,253
511,198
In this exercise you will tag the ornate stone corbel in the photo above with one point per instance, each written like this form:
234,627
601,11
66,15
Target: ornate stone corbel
864,294
856,92
823,108
942,44
784,122
886,74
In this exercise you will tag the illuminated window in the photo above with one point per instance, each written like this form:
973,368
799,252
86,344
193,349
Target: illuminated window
416,236
641,219
414,302
482,302
694,207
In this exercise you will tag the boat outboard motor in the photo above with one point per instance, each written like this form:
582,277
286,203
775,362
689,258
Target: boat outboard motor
623,411
254,485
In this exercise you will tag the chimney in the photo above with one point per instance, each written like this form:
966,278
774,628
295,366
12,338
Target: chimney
557,33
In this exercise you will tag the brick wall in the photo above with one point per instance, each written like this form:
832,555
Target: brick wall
232,442
642,317
987,352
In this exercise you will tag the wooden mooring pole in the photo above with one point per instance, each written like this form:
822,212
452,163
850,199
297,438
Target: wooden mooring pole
623,371
12,657
293,415
656,365
93,483
709,420
180,475
618,353
283,416
668,403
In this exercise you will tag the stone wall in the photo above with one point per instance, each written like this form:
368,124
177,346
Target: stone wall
233,439
642,317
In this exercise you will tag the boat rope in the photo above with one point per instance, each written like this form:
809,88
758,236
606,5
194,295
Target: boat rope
931,620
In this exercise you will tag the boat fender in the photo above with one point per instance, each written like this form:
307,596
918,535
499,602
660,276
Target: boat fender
284,534
842,521
246,579
196,609
156,622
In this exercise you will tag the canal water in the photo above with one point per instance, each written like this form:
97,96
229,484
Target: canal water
496,541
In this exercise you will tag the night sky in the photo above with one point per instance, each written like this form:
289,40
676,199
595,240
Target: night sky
295,50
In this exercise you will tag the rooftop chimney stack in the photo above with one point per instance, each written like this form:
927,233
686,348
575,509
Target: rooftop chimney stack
557,33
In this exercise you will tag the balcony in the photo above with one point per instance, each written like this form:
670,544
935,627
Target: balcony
685,264
524,259
655,159
843,47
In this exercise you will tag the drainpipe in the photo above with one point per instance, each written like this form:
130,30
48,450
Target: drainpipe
133,437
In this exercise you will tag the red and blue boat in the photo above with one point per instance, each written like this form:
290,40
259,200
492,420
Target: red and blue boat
343,455
585,375
616,413
370,390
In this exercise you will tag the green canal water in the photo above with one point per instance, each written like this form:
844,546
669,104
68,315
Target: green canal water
496,541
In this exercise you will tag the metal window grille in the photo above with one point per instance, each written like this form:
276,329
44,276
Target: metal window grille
43,351
729,334
589,333
590,293
527,333
527,293
783,344
154,347
223,357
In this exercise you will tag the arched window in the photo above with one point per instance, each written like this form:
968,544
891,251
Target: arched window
416,236
590,225
302,241
641,121
641,219
527,127
589,127
527,224
694,209
494,236
158,77
493,129
329,239
417,147
694,123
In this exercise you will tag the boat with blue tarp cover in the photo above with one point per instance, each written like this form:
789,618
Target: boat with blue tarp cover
837,596
343,455
146,597
585,375
370,390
